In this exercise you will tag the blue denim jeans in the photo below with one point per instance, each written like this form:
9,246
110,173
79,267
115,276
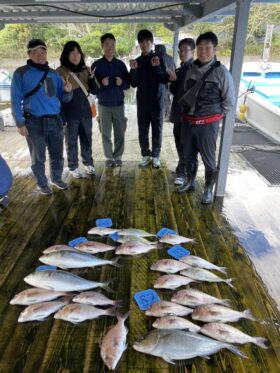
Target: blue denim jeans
46,133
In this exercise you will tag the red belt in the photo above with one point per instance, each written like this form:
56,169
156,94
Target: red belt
204,119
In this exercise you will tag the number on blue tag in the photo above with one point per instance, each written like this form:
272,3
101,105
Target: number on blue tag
107,222
114,236
76,241
146,298
164,231
178,251
45,268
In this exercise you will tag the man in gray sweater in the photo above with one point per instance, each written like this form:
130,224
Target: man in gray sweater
209,96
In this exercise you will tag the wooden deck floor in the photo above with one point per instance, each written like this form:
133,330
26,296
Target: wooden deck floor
132,197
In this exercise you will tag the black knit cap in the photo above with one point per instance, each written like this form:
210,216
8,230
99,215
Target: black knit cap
35,44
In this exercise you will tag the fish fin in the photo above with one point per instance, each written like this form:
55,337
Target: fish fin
222,270
168,359
229,282
261,342
226,302
248,315
205,357
115,262
106,287
122,316
235,350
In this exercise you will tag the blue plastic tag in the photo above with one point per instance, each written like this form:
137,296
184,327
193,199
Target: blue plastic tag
107,222
146,298
178,251
114,236
76,241
164,231
45,268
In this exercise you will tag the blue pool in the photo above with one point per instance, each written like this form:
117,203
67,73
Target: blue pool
267,84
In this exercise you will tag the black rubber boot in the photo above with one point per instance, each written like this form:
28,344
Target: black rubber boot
210,180
189,184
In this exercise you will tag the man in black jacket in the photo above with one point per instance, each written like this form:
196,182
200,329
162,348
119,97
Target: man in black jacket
147,73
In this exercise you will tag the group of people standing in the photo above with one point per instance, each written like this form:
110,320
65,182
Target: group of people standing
43,100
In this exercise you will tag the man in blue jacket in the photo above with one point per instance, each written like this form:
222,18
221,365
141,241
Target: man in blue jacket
35,94
6,181
110,81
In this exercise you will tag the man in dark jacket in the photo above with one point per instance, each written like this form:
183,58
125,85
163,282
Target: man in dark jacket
110,81
186,52
147,73
214,97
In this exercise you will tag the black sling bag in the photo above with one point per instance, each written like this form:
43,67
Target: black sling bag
38,86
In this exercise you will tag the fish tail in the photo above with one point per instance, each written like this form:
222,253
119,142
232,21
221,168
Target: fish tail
236,351
226,302
159,246
105,285
115,263
261,342
229,282
111,311
122,316
222,270
248,315
118,303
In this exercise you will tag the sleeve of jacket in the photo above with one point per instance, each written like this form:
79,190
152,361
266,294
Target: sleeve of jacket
134,78
227,91
16,99
125,83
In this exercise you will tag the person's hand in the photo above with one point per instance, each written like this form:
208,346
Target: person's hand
133,64
23,131
155,61
105,81
172,75
92,73
67,85
118,81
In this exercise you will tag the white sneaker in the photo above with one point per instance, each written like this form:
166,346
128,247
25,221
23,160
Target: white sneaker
90,170
77,174
145,161
179,180
156,162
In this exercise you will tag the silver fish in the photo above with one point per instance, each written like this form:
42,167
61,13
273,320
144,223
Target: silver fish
173,345
217,313
102,231
114,344
62,281
169,266
55,248
76,313
175,322
194,298
227,333
122,239
92,247
135,232
35,295
171,282
40,311
196,261
165,308
71,259
134,248
95,299
204,275
175,239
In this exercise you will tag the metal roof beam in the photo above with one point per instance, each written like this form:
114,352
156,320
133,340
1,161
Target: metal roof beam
80,19
215,7
21,2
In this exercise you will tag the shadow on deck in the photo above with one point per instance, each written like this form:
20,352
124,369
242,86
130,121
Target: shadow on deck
132,197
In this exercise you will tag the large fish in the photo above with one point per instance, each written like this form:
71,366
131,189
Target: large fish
171,282
205,275
71,259
227,333
40,311
55,248
92,247
173,345
175,239
165,308
35,295
169,266
134,248
217,313
114,344
76,313
196,261
175,322
122,239
102,231
135,232
95,299
194,298
62,281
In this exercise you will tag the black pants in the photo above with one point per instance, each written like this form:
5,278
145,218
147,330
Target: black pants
177,132
145,119
200,139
